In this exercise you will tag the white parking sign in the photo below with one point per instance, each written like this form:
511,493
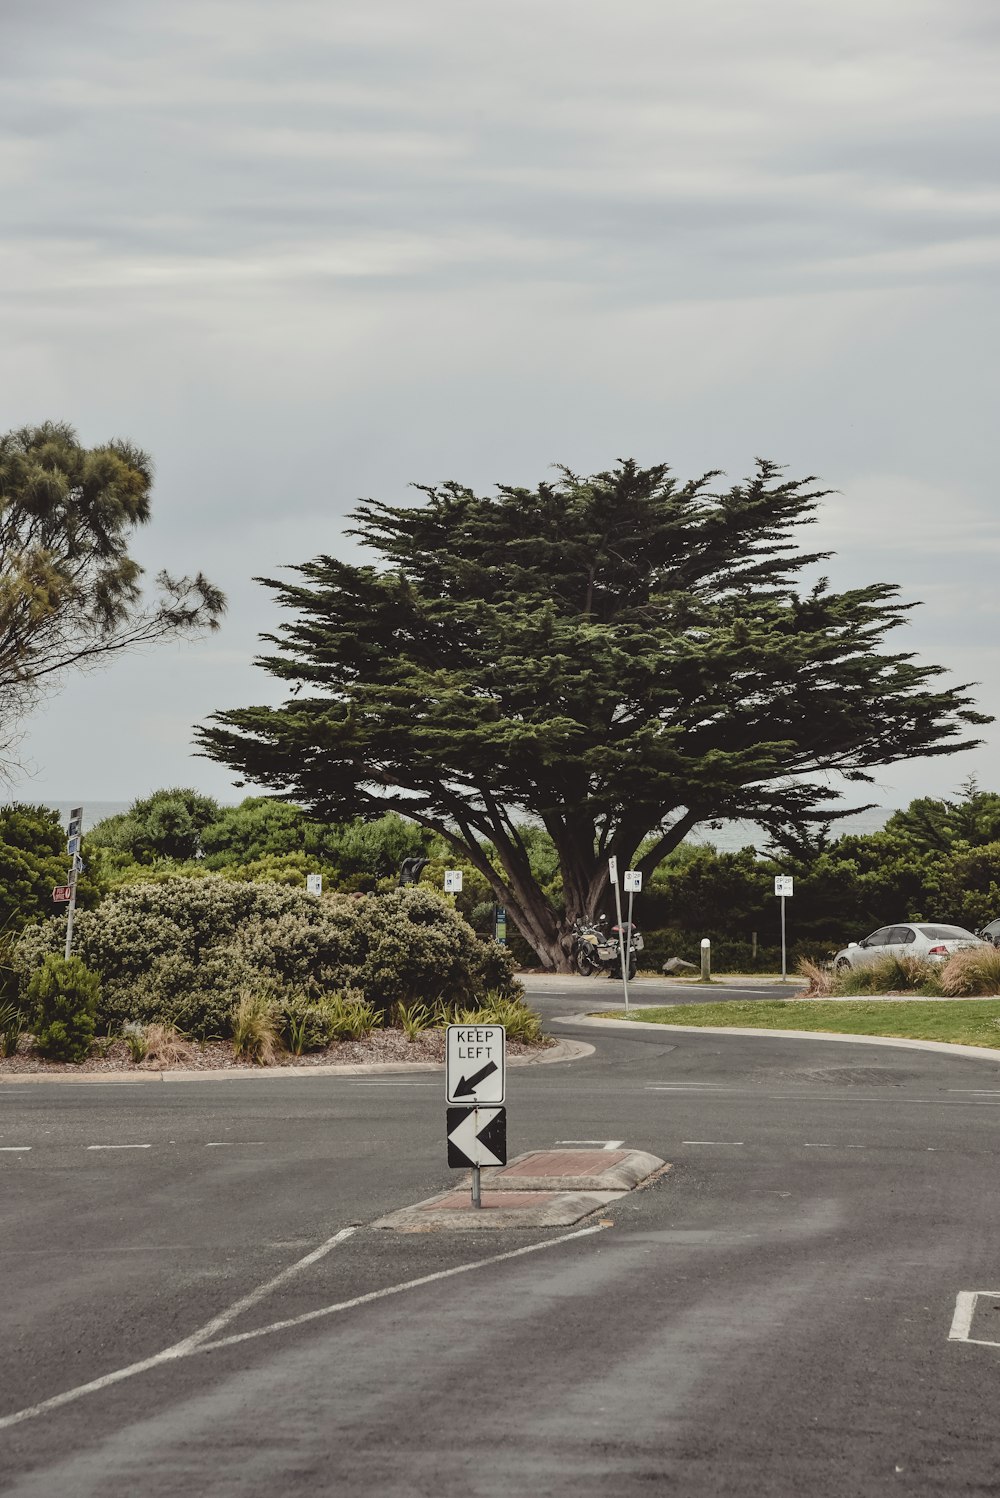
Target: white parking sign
784,885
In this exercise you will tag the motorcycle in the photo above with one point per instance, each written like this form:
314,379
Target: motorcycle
594,949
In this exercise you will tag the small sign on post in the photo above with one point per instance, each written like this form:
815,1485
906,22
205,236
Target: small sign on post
453,881
314,884
500,925
784,889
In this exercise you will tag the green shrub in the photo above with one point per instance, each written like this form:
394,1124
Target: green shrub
182,951
348,1016
414,1019
520,1022
971,973
64,994
11,1027
890,975
254,1026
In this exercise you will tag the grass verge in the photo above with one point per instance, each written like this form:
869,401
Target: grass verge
963,1022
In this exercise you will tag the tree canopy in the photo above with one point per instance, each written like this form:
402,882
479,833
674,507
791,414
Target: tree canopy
610,657
70,593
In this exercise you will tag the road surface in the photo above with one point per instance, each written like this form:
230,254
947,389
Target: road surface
192,1302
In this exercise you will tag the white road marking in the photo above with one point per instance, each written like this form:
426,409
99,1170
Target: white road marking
425,1279
14,1149
711,1141
961,1322
218,1144
607,1144
195,1344
246,1302
119,1146
817,1146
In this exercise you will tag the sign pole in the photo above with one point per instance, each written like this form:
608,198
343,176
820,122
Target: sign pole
69,915
784,886
75,832
784,965
477,1190
613,873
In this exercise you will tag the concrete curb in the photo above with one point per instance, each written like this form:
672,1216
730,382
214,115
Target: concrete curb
563,1050
558,1209
625,1170
942,1047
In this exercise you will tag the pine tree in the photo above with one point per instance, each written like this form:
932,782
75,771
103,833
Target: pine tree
610,656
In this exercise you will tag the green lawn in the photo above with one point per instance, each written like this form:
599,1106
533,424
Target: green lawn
963,1021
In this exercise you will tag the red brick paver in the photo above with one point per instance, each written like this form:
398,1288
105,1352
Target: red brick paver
566,1163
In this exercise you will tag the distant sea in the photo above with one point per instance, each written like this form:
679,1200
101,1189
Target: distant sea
727,838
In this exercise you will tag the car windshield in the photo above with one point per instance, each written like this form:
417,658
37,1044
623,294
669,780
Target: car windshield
946,933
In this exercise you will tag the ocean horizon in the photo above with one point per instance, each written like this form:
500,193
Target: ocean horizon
728,838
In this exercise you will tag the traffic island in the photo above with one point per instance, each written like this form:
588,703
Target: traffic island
574,1170
539,1189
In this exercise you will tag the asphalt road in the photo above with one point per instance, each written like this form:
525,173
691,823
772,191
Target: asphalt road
772,1317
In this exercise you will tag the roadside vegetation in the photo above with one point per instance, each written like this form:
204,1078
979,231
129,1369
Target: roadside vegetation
208,970
960,1021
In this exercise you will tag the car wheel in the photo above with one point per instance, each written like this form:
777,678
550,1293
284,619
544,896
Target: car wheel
843,965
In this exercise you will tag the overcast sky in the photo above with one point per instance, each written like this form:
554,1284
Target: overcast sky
308,251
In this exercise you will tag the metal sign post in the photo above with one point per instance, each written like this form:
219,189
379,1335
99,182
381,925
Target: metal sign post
633,885
784,888
74,832
475,1073
613,875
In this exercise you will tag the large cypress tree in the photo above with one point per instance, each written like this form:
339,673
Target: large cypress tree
619,657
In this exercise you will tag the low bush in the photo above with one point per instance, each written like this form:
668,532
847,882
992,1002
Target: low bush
819,979
166,1046
183,951
254,1026
11,1027
890,975
972,973
63,995
520,1022
414,1019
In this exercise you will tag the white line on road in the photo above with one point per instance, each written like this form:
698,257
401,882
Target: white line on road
14,1149
961,1322
218,1144
119,1146
255,1296
425,1279
607,1144
817,1146
194,1344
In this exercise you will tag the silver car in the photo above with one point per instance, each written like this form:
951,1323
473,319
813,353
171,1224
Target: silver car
932,942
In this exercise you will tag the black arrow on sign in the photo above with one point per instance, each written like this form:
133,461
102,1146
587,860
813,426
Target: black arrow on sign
467,1087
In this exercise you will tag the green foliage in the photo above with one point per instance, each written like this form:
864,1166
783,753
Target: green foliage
312,1024
611,657
63,996
890,974
70,593
11,1027
184,951
414,1019
167,825
32,861
254,1026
